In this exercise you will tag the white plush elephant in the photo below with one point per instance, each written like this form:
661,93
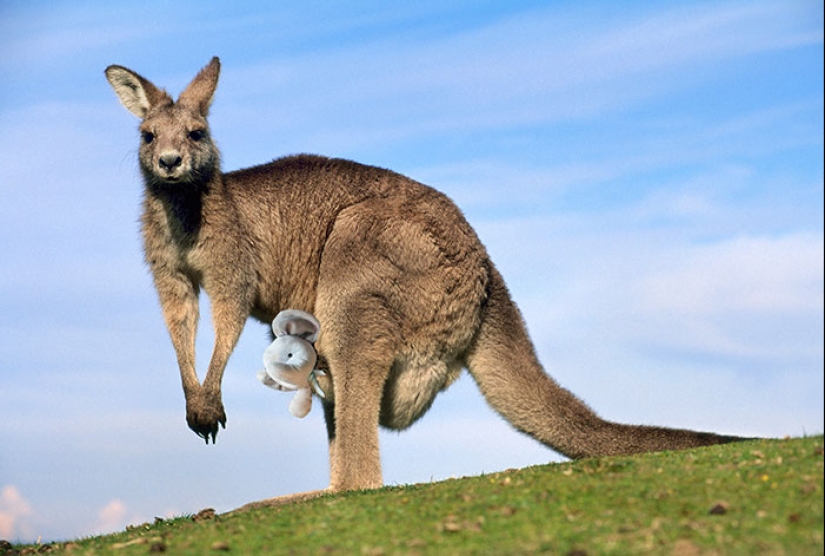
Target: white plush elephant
289,360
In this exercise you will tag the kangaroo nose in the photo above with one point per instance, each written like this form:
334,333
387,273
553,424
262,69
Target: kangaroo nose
168,161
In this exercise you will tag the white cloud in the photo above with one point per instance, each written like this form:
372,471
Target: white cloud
744,275
112,517
15,513
758,298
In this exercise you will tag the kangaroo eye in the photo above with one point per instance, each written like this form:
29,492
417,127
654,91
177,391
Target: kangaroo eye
147,136
197,134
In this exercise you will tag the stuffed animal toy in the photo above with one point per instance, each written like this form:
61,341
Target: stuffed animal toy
289,360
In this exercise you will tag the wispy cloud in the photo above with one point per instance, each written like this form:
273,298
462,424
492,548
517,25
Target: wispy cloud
548,65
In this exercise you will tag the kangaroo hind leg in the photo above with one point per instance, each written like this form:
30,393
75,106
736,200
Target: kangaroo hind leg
359,343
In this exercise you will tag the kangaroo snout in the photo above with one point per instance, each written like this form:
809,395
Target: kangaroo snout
168,161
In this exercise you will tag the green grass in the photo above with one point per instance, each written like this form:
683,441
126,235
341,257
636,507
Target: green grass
761,497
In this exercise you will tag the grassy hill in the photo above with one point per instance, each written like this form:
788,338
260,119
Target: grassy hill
761,497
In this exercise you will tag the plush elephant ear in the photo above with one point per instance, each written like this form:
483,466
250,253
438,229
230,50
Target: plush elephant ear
293,322
266,380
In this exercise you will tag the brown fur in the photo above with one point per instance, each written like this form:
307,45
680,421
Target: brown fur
405,291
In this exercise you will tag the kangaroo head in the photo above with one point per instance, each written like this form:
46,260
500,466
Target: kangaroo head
175,146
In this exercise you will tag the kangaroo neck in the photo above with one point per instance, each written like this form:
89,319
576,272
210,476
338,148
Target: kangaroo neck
184,206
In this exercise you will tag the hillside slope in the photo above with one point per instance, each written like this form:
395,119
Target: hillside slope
760,497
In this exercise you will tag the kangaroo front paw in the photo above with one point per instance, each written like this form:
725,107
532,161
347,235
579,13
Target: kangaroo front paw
203,415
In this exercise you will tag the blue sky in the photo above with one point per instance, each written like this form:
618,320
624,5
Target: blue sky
648,177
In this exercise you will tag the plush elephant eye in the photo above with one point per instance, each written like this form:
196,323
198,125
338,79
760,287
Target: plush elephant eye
289,355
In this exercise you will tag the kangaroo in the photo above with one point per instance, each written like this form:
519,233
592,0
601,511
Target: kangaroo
406,293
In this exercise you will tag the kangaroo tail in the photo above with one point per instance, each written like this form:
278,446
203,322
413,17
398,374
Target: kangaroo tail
503,363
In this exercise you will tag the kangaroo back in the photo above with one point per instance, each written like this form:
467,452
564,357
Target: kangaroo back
505,367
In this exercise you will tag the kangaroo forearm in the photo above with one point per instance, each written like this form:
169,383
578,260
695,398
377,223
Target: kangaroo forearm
229,314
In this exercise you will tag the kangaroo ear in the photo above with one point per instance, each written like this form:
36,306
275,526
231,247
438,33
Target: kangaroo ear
296,323
136,93
198,94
